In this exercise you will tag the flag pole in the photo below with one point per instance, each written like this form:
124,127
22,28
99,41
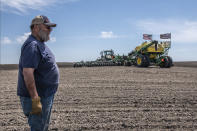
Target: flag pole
170,39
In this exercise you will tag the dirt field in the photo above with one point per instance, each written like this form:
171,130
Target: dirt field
112,98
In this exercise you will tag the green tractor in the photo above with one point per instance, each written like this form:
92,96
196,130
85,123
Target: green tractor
106,59
106,55
150,53
109,57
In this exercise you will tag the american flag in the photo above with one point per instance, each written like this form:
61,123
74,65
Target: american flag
147,37
165,36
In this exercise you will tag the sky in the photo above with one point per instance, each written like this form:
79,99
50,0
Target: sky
86,27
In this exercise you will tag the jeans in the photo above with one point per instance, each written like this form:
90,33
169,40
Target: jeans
38,122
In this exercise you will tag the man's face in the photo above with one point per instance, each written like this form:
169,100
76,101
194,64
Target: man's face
44,32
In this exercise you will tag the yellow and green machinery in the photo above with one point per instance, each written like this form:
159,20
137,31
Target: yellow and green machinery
150,53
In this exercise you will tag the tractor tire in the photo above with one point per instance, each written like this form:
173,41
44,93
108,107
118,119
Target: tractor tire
127,63
163,63
147,61
167,63
141,61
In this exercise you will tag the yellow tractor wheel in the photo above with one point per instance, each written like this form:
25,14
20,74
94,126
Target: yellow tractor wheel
142,61
139,61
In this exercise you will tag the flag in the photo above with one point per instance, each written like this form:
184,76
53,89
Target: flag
165,36
147,37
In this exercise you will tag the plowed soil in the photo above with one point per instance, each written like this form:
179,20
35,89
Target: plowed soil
112,98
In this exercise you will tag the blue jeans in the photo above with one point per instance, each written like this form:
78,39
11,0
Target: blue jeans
38,122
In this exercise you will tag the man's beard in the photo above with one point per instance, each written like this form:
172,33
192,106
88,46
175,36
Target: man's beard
43,35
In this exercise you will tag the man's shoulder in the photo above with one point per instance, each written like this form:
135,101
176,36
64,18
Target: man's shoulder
30,43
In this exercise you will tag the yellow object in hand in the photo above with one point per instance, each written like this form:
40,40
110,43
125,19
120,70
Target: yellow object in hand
36,106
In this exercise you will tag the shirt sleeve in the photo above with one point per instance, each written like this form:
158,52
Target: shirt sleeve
31,56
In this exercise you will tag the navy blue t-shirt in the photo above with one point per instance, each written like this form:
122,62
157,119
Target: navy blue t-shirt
35,54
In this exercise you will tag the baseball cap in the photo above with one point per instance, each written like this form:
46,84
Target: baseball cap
41,19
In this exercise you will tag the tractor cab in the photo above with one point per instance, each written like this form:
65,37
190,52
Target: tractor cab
107,54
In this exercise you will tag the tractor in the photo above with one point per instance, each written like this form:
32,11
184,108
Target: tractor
106,55
106,59
147,54
150,53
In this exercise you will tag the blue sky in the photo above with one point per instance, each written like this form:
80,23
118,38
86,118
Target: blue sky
86,27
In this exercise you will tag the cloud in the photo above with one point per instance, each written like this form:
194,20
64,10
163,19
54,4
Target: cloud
183,31
52,39
6,40
21,39
102,35
22,6
107,35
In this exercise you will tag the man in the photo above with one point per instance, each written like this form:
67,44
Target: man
38,75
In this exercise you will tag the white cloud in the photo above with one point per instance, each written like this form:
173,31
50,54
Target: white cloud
183,31
107,35
52,39
6,40
22,6
21,39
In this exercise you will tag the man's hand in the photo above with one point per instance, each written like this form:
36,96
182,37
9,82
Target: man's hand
36,106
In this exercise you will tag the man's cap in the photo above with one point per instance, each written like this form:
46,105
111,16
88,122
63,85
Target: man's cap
41,19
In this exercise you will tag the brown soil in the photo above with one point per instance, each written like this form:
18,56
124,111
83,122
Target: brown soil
112,98
186,64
